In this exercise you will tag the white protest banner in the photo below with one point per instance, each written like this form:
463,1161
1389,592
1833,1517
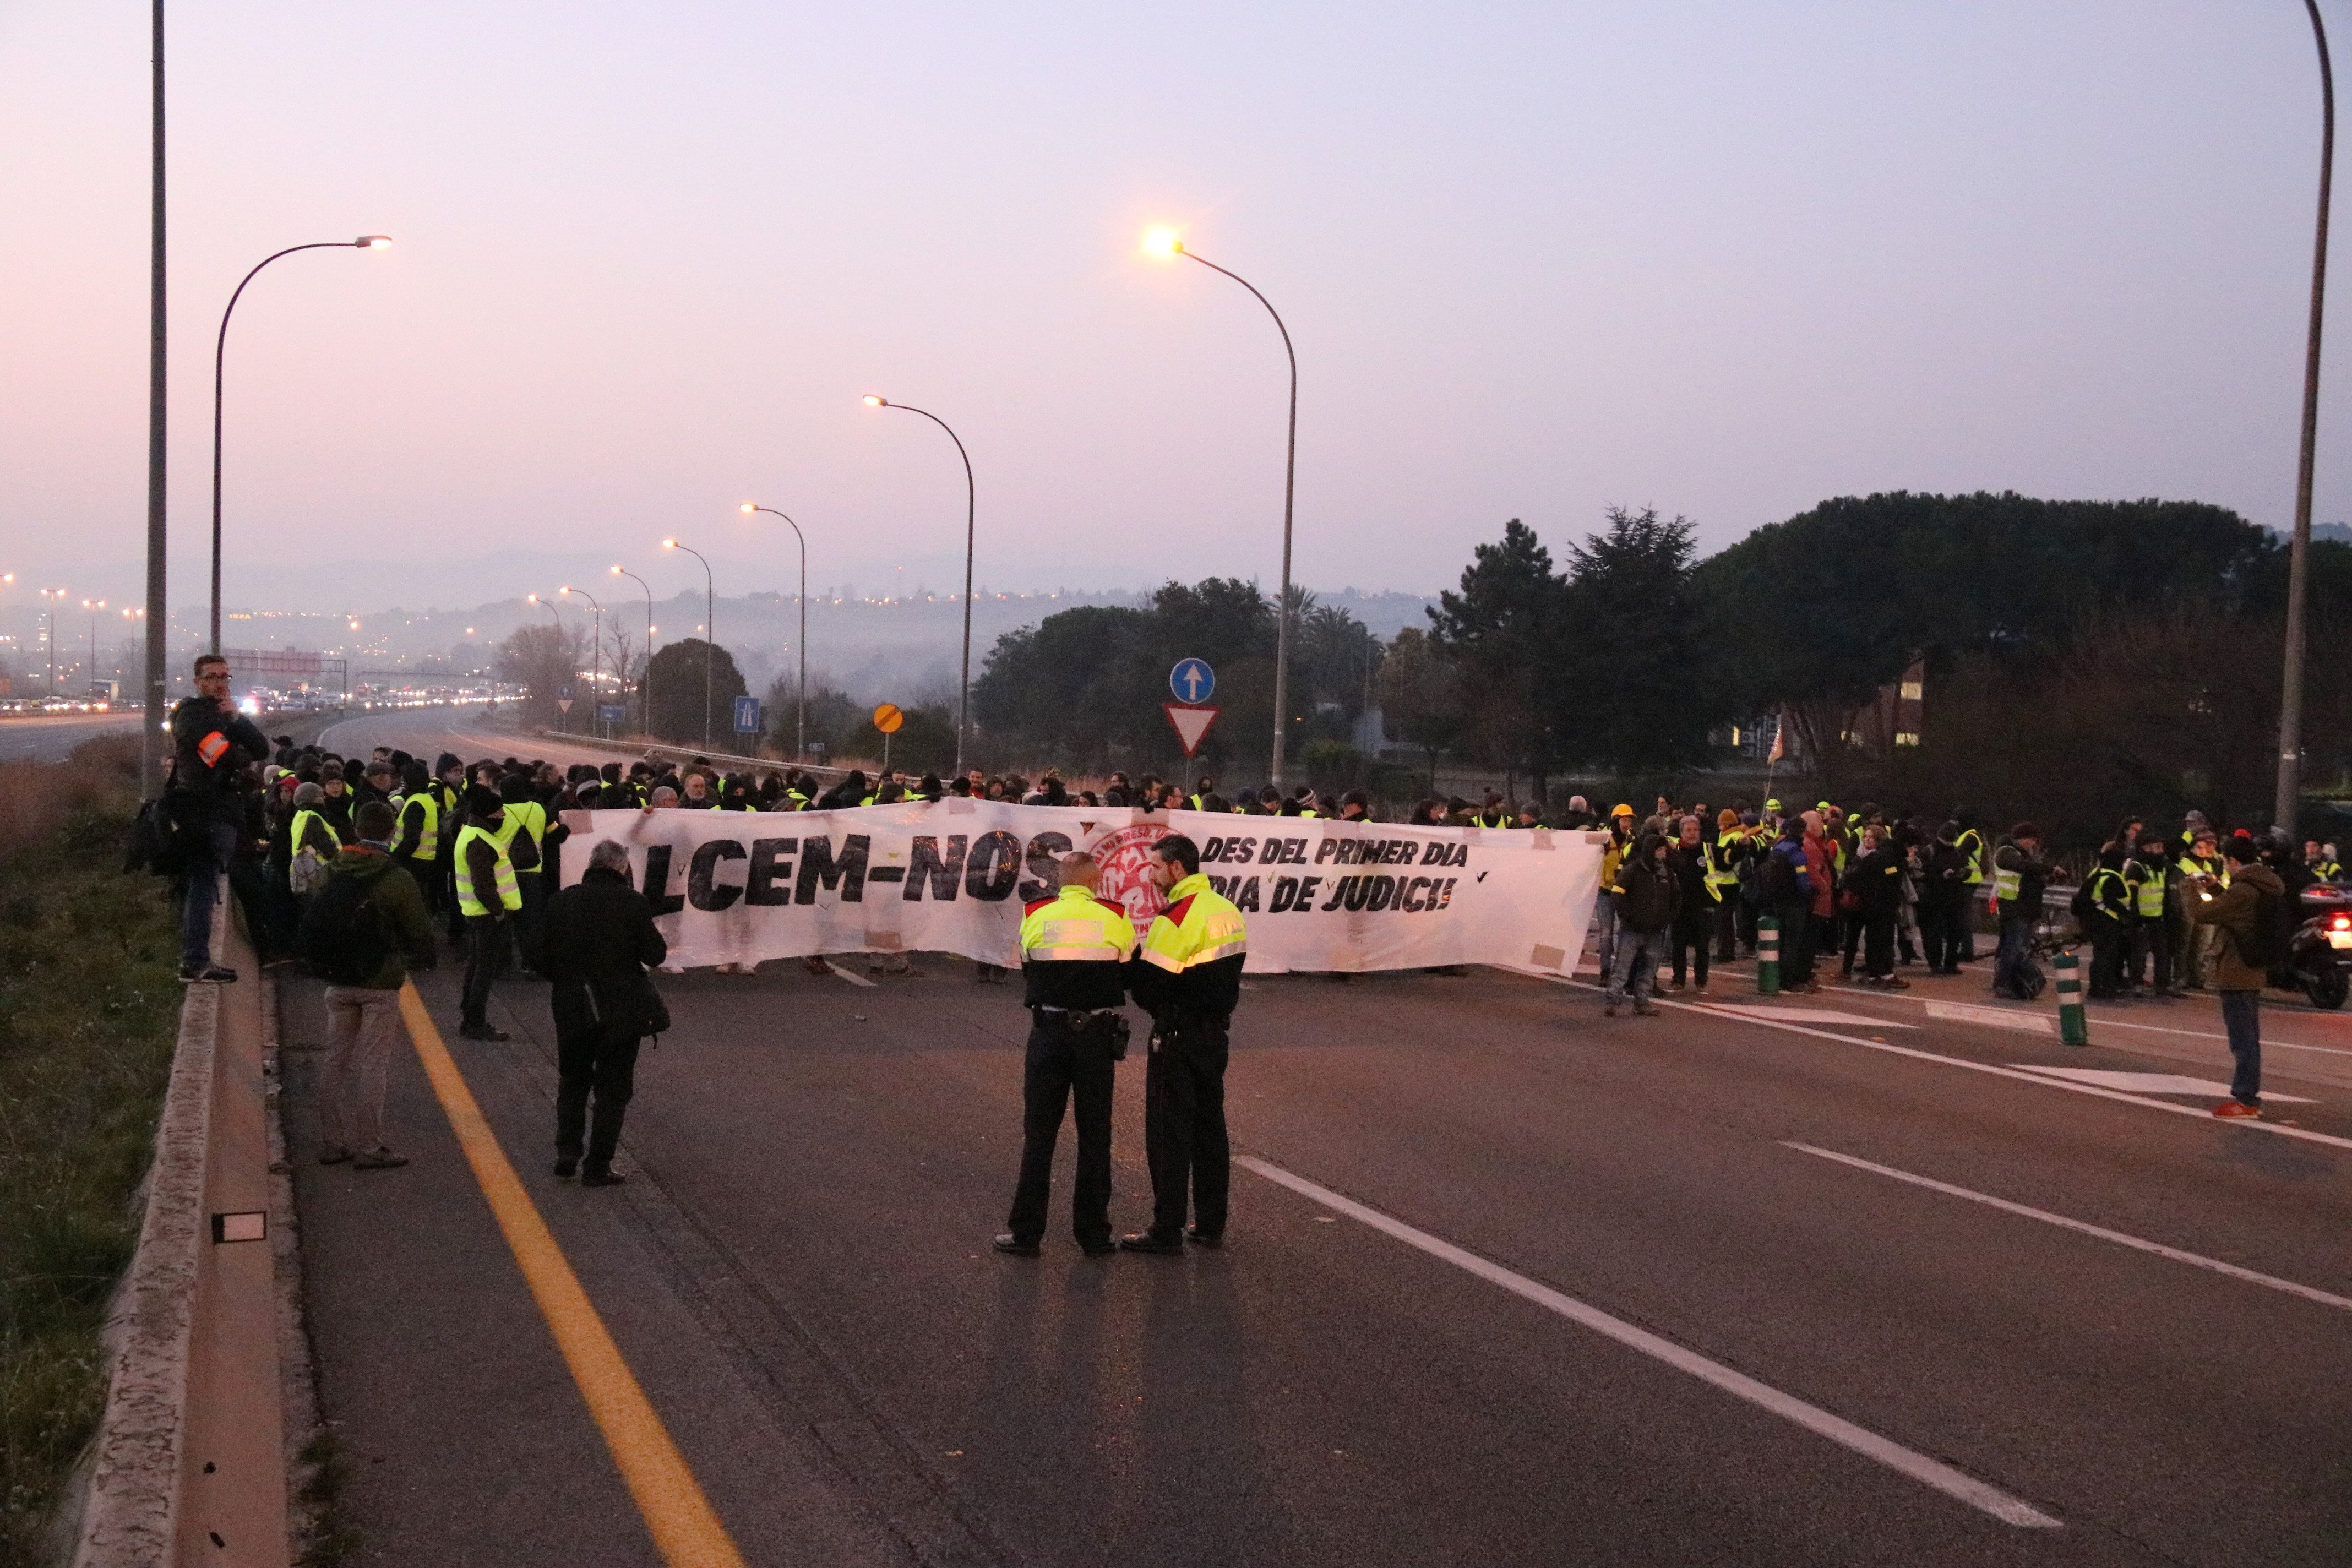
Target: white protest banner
734,887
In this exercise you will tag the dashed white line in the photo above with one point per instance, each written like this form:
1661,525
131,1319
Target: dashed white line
2270,1281
1910,1462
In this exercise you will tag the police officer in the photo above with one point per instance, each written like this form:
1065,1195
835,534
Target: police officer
1188,976
1074,950
488,898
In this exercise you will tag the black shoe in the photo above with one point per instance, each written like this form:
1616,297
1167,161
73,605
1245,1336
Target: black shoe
1199,1238
1102,1248
481,1032
207,974
566,1166
1013,1246
1151,1241
592,1177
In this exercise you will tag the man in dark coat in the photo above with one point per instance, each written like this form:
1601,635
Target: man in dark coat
600,941
210,745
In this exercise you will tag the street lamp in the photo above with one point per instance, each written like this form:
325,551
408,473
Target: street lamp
51,598
963,685
645,694
800,735
220,352
2290,769
595,653
91,607
563,648
1166,242
709,630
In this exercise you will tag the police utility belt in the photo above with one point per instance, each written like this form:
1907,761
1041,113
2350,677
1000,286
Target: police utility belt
1106,1025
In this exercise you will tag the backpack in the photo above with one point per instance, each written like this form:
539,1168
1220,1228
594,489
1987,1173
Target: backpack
1779,879
2259,946
346,936
153,843
2082,906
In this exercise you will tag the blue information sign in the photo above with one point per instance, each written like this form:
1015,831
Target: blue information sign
1192,680
746,715
611,713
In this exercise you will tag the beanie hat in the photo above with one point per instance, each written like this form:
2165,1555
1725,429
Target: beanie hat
482,802
308,795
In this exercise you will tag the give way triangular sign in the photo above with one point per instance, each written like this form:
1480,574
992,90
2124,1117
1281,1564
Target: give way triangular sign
1192,720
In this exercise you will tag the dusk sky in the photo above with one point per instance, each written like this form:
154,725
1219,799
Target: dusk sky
1723,259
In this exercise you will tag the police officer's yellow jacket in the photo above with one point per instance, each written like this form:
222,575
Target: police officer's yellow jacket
1188,969
1073,949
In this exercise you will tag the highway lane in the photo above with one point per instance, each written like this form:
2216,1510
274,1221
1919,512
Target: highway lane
799,1274
428,731
51,738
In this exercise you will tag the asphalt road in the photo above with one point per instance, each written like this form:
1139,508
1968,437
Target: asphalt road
428,731
46,738
798,1275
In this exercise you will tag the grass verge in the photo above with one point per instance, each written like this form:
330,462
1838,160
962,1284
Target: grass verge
89,1005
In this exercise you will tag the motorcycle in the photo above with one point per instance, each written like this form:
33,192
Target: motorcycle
2319,952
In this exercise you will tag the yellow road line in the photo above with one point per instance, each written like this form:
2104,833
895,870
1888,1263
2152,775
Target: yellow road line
685,1528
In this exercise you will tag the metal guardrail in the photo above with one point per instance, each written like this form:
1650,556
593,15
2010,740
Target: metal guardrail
637,750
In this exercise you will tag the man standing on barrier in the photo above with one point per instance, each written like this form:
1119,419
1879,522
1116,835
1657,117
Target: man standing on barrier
1188,976
1074,951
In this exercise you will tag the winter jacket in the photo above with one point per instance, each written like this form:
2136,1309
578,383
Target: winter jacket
2233,909
395,892
1647,895
600,939
1877,878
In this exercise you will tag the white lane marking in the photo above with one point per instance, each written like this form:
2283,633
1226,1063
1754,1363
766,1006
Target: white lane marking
833,968
1813,1417
1806,1015
1992,1017
1997,1070
2154,1082
2270,1281
2106,1019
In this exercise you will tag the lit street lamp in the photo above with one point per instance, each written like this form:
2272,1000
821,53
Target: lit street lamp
90,668
709,632
220,352
645,694
963,684
2290,769
800,735
595,655
1166,242
52,598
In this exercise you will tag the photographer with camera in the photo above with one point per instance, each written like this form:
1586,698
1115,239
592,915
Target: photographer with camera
1074,950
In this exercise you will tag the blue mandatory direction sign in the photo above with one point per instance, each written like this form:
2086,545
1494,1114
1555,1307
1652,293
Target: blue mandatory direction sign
1192,680
746,715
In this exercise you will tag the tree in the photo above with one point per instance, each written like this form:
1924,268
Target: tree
545,661
1504,628
676,676
1421,696
1631,691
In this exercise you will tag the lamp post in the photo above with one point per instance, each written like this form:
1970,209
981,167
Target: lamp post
220,352
709,630
91,607
1166,242
2290,769
971,495
51,598
158,616
562,646
595,655
646,695
134,613
800,735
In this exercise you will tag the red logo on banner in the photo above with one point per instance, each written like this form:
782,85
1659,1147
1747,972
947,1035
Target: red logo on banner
1126,861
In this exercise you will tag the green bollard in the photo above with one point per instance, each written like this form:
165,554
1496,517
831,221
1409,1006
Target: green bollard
1768,957
2073,1029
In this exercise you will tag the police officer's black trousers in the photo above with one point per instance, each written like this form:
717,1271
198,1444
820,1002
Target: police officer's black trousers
1693,931
2108,945
485,956
1064,1068
1184,1129
596,1061
2152,938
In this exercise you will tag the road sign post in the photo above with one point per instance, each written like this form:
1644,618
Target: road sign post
746,715
1191,721
1192,682
2074,1028
890,720
1768,957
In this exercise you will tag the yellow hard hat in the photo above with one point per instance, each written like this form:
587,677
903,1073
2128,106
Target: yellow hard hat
1823,805
1622,810
1771,806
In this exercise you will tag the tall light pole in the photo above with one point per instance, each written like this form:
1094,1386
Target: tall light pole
220,353
158,626
971,498
132,613
1166,242
800,735
2290,771
646,693
562,644
709,630
51,598
595,655
91,607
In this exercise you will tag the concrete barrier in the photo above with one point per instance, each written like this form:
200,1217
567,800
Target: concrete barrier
189,1464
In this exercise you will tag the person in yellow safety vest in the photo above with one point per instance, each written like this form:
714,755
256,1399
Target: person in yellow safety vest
2319,859
1188,975
488,898
2149,874
1206,787
311,842
416,834
1971,846
1492,815
1725,855
1604,909
2194,944
1074,952
527,832
2107,906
